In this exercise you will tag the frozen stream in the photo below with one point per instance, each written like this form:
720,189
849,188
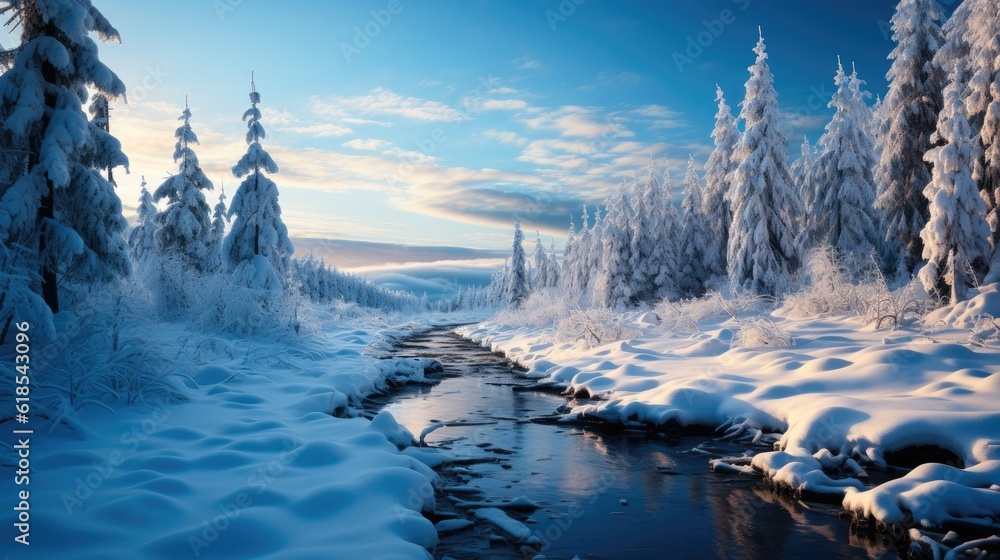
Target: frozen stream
676,507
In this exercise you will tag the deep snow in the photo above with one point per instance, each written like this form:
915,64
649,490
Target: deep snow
253,465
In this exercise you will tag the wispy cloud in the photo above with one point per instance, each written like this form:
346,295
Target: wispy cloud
483,105
368,144
575,121
284,121
527,63
324,130
654,116
505,137
382,102
795,122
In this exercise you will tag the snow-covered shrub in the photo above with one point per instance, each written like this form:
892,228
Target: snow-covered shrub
827,285
760,333
225,304
543,308
685,315
595,326
985,330
674,320
170,281
18,303
896,308
103,352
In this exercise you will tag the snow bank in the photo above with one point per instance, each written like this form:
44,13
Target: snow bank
255,464
843,395
934,495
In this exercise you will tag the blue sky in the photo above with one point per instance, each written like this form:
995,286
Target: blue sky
443,119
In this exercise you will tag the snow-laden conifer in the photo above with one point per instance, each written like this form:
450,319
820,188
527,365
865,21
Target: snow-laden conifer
762,251
258,239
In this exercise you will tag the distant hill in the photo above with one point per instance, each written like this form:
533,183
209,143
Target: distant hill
347,254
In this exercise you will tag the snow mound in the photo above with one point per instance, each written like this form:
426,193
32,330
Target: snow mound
798,470
933,495
984,302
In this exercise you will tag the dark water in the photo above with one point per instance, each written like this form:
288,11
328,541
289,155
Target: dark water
676,507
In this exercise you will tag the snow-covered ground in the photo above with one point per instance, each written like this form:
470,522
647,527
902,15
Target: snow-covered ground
252,465
836,400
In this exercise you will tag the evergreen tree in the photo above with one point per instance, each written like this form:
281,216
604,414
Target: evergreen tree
718,182
762,251
801,169
54,200
516,285
142,239
615,286
258,242
692,276
552,273
583,258
910,110
569,257
184,226
220,218
982,106
842,214
540,269
956,237
667,252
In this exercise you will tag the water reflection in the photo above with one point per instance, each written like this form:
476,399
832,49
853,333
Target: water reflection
676,507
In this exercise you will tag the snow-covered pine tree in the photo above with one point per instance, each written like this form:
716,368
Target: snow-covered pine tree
694,233
842,215
718,183
982,107
910,111
142,238
668,249
956,237
497,290
579,278
596,245
762,252
258,241
801,169
516,284
185,229
100,111
540,264
640,242
615,284
220,217
569,257
57,204
552,272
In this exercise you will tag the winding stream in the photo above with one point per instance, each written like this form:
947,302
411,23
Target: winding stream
601,495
